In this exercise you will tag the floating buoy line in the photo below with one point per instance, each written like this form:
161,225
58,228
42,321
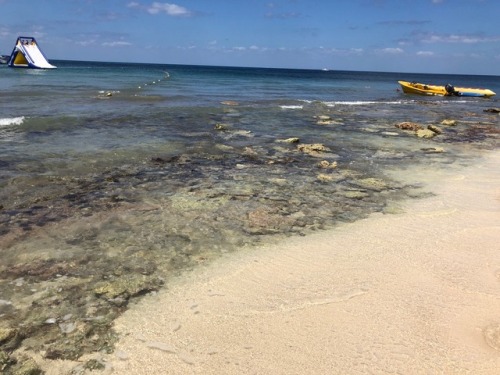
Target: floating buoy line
166,75
108,94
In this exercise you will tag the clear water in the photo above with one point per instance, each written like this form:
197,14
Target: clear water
115,171
67,111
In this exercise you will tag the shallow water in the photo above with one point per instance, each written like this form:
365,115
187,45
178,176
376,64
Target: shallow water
115,177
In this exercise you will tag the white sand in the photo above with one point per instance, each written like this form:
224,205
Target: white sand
413,293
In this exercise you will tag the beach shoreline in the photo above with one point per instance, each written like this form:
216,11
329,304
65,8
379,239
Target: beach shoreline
416,292
115,201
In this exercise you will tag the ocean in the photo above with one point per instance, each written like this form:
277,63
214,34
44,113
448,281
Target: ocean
116,177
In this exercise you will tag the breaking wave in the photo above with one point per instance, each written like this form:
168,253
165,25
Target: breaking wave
11,121
362,102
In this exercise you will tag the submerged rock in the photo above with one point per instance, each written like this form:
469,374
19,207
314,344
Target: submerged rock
325,177
407,125
356,194
6,333
419,130
426,133
492,110
449,122
325,164
265,220
26,367
127,286
325,120
371,183
435,129
313,149
433,150
221,126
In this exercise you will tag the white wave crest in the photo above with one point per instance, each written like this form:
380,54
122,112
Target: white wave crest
361,102
291,106
11,121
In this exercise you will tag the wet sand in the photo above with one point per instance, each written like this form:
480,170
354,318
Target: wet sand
410,293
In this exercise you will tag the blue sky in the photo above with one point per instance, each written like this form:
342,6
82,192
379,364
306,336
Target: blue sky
429,36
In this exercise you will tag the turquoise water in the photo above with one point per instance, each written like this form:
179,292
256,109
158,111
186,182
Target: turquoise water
114,177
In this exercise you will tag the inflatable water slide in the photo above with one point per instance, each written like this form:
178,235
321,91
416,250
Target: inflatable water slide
27,54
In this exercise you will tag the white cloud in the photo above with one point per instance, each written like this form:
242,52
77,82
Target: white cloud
425,53
391,50
85,43
119,43
457,38
169,9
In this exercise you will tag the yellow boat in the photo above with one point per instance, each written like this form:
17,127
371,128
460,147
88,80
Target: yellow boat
448,90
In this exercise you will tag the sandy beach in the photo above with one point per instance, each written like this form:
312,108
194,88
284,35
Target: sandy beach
410,293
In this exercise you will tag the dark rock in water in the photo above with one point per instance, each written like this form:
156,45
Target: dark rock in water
435,129
412,126
264,220
371,183
222,127
313,149
39,270
6,334
419,130
5,307
5,360
94,364
492,110
66,352
165,159
356,194
125,287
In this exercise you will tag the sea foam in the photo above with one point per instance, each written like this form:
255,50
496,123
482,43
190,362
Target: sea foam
11,121
361,102
291,106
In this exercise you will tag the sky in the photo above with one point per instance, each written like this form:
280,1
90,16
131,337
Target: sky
417,36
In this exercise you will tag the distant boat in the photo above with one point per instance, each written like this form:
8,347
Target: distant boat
448,90
4,59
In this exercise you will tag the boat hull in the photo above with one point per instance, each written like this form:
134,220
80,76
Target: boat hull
434,90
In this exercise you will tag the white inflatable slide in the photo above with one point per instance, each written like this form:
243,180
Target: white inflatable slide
27,54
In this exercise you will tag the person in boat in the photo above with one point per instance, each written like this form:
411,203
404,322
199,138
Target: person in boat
419,86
